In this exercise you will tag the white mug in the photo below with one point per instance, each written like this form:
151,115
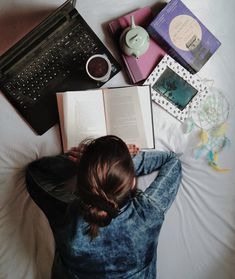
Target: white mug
98,67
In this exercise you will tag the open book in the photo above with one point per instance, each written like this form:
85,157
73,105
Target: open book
125,112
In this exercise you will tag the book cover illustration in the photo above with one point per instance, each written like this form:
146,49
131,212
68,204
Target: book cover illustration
138,69
184,36
175,89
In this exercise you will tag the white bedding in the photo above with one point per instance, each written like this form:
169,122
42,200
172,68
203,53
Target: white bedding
197,240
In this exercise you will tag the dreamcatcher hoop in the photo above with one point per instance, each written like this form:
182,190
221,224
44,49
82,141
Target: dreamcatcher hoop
213,111
211,117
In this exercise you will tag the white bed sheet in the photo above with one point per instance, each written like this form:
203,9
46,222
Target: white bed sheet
197,240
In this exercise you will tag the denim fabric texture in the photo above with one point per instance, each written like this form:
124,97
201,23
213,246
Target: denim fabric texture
127,248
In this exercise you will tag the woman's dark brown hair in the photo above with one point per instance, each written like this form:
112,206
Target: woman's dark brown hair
104,181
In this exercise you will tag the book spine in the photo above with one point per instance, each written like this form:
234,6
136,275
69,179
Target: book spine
135,75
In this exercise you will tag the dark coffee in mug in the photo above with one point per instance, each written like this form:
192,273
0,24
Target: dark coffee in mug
98,67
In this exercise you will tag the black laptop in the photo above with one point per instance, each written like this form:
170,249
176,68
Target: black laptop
51,58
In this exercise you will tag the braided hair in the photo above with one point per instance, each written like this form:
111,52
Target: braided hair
105,180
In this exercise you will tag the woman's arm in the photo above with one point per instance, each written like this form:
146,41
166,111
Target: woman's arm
53,171
165,186
46,183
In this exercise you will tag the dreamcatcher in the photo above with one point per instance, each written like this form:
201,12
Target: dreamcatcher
211,117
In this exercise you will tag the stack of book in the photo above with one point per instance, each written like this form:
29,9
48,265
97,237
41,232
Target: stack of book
140,68
183,36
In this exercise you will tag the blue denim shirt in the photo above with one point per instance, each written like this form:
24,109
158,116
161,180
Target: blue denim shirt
127,248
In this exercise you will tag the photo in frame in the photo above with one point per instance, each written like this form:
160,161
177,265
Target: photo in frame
175,89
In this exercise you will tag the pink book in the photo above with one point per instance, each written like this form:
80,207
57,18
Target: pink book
138,69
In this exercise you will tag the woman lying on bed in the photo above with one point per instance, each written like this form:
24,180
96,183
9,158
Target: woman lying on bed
105,227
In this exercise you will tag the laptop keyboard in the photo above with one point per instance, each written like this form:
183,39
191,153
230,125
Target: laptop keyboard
53,64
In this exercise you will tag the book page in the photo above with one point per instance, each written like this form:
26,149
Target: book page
83,116
124,115
144,93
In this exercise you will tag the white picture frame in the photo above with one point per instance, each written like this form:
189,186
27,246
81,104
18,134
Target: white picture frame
175,89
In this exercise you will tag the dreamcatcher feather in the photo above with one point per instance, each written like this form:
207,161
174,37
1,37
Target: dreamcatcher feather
211,118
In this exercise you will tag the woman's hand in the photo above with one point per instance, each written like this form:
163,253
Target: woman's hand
133,149
75,153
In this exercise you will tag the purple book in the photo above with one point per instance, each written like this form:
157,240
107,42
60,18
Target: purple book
138,69
183,36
